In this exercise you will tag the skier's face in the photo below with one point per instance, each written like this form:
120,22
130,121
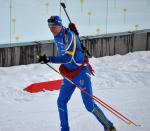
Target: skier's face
55,29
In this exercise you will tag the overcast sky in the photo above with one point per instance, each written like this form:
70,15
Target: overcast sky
31,17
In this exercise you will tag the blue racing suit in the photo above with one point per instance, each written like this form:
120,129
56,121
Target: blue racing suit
71,55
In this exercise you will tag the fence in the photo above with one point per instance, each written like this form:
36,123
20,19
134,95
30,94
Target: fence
98,46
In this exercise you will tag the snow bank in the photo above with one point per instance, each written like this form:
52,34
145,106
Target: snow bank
121,81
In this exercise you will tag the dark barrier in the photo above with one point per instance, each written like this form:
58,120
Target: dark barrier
98,46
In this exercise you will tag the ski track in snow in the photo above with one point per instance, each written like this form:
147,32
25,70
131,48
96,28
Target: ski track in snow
121,81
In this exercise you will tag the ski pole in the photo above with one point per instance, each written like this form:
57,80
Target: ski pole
113,111
103,104
64,7
129,121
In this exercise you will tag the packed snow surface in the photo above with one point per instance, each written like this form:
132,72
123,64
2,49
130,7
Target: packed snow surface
123,82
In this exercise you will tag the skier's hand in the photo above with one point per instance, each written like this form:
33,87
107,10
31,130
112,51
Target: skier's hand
73,28
43,59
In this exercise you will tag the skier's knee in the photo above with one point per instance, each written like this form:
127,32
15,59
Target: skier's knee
89,107
60,102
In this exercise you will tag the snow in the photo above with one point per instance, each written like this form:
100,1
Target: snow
123,82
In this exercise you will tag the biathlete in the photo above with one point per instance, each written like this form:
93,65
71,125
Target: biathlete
75,66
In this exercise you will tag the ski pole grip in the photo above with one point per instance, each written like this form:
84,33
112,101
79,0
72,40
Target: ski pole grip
63,5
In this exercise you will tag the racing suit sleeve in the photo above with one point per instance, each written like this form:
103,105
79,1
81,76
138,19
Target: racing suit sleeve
69,52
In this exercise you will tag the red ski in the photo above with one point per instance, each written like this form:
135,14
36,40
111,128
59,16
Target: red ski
42,86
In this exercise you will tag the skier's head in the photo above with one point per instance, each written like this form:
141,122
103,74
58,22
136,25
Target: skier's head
55,24
54,21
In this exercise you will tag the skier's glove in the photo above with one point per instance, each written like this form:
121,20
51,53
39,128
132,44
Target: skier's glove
43,59
73,28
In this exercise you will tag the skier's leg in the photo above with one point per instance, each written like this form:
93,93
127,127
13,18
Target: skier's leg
64,96
85,83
